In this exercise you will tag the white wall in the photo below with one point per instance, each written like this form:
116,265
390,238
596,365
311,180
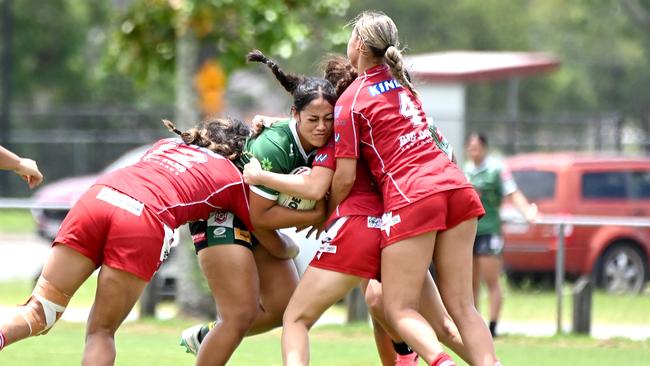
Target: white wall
445,103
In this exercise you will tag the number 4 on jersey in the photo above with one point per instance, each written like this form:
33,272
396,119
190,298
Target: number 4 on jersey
408,109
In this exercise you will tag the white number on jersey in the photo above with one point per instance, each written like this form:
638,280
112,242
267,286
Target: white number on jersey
408,109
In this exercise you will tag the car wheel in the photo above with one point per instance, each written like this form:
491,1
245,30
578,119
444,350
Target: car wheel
623,269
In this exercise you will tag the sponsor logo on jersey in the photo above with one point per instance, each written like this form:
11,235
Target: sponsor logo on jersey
321,158
219,232
383,87
197,238
413,137
243,235
337,111
374,222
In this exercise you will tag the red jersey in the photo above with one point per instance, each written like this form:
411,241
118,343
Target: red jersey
384,122
182,183
364,198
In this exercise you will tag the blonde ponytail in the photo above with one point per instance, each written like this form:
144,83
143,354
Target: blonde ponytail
395,62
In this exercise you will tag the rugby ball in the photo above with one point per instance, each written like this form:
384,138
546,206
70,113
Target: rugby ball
293,202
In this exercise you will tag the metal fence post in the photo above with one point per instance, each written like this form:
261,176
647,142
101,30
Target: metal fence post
559,276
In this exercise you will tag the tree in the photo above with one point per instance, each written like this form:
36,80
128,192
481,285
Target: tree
159,37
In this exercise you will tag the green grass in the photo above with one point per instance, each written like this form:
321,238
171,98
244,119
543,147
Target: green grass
16,221
540,306
16,292
152,342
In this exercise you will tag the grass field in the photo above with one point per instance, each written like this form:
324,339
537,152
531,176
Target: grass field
16,222
150,342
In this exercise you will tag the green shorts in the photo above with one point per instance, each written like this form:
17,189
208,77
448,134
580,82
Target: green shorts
222,227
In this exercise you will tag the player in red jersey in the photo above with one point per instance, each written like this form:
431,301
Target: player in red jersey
123,224
343,260
427,200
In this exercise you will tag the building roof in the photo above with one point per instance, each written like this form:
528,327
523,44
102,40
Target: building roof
478,65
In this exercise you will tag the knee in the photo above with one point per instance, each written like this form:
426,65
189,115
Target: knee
447,332
239,319
375,304
305,319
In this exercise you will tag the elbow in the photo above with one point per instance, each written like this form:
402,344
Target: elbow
260,223
316,193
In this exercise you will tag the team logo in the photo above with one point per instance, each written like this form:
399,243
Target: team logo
220,217
266,164
383,87
388,221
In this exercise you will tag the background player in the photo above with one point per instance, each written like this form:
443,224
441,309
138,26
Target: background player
492,181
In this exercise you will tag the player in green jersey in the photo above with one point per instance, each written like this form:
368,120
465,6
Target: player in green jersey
493,182
256,305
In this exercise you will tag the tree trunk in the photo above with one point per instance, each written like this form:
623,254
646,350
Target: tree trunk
192,296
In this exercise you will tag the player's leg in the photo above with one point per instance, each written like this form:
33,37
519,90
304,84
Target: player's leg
433,309
117,293
278,279
490,267
317,291
404,266
391,348
232,276
64,271
454,252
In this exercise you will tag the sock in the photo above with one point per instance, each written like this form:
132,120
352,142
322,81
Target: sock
443,359
493,328
2,341
204,330
402,348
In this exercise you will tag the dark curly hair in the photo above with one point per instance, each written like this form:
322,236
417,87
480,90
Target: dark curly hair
224,136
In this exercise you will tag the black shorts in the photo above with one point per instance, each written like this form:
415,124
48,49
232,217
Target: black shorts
221,228
488,244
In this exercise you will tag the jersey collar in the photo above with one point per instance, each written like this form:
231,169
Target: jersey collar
375,70
293,125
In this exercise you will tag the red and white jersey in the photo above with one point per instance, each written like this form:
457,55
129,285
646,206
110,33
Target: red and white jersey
384,122
364,198
182,183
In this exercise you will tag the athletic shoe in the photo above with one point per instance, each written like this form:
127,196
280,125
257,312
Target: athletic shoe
407,360
190,339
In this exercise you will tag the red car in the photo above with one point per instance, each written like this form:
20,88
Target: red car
67,191
573,184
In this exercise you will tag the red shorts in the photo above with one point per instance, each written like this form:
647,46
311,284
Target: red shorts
437,212
114,229
352,246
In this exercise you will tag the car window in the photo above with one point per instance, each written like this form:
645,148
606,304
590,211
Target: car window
604,185
536,184
640,184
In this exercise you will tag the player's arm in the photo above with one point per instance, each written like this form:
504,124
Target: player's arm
267,214
279,246
25,168
313,186
342,182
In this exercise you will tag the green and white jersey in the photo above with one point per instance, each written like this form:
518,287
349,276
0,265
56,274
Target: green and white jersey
492,180
439,139
278,149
